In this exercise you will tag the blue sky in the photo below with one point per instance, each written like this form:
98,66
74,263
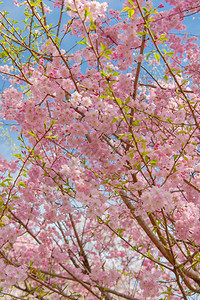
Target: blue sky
193,26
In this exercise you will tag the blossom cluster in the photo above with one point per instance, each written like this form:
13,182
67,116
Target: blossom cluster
104,193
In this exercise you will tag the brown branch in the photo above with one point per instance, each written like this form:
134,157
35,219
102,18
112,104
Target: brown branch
192,185
135,249
21,170
43,283
25,226
121,294
12,296
168,66
14,62
179,284
79,281
138,67
158,231
43,13
54,43
165,252
82,252
88,283
60,18
146,229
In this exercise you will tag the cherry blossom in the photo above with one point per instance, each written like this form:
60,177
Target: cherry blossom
102,200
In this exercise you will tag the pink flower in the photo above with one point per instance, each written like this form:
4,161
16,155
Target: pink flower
161,6
139,58
57,3
47,9
16,3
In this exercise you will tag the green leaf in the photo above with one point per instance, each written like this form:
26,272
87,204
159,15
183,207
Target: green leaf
17,155
85,42
68,8
121,136
114,120
126,108
131,12
136,122
22,184
93,27
53,137
169,120
157,56
166,78
153,162
2,54
87,13
145,9
32,133
144,147
127,100
141,33
125,9
105,55
150,20
103,47
119,101
149,54
57,40
52,123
